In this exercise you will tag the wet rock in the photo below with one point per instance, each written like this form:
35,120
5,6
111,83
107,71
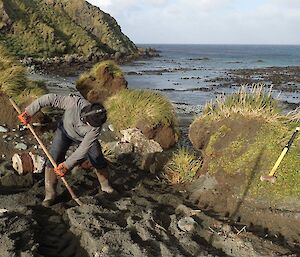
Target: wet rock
111,127
5,168
119,148
185,211
186,224
21,146
142,144
164,135
18,239
10,179
3,212
3,129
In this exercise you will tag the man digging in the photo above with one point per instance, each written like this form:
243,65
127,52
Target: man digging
81,125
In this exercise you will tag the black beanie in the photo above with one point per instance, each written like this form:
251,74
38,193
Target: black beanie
94,114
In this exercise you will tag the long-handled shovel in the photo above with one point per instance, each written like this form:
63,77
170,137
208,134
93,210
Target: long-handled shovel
271,178
74,197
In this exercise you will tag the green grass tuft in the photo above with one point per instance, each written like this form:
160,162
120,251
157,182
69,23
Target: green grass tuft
182,167
112,67
14,82
33,90
128,107
12,75
249,101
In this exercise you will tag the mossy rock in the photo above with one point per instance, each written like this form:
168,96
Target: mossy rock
146,110
102,81
238,150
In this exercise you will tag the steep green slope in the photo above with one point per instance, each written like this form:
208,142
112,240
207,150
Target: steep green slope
47,28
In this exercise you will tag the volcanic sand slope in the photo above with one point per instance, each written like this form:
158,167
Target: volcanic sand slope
146,218
50,28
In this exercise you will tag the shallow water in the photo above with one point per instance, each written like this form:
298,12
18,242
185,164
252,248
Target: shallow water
182,72
188,67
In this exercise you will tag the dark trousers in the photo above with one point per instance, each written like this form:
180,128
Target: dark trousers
62,142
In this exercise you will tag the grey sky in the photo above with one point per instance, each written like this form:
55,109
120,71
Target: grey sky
207,21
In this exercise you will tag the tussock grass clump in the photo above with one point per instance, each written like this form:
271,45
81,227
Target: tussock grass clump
33,90
249,101
128,107
12,75
182,167
96,72
8,114
14,82
112,67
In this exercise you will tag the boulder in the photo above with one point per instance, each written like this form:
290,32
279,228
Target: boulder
13,180
164,135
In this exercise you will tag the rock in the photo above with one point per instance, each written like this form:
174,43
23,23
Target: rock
13,180
3,212
111,127
142,144
185,211
3,129
120,148
164,135
21,146
186,224
4,168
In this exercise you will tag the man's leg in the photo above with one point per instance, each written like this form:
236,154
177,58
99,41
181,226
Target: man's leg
98,161
59,147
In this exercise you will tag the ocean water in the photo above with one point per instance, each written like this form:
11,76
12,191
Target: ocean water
181,72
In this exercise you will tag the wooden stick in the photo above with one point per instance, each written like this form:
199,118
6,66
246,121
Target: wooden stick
74,197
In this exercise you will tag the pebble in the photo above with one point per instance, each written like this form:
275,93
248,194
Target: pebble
186,224
111,128
21,146
3,129
3,212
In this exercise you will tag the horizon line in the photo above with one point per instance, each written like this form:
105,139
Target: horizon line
254,44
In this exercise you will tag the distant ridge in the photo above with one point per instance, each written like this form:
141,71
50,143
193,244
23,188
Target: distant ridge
49,28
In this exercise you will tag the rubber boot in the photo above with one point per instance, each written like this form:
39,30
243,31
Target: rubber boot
102,175
50,187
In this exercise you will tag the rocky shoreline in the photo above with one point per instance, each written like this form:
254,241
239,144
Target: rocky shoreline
70,65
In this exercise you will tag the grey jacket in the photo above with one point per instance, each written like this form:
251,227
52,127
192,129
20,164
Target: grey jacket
72,123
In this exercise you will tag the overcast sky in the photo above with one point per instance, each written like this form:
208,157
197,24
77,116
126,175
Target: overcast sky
207,21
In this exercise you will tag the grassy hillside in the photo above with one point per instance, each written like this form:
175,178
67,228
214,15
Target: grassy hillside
47,28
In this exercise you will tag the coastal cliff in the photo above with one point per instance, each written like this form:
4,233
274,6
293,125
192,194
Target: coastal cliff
50,28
